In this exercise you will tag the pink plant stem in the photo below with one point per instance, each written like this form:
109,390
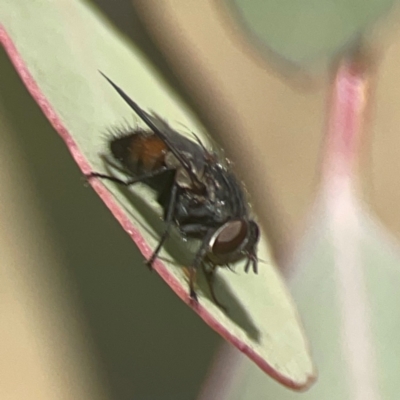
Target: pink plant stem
345,132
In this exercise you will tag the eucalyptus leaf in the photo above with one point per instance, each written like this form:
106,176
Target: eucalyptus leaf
58,49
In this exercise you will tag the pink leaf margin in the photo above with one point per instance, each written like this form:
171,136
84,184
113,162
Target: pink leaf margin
54,119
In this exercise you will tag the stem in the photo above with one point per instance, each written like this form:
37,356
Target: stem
340,189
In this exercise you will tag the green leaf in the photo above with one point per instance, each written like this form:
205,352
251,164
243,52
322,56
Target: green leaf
303,31
58,49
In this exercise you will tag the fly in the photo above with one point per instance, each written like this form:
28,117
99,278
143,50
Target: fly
198,193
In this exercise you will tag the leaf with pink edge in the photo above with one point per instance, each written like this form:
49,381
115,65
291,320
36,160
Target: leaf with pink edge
57,49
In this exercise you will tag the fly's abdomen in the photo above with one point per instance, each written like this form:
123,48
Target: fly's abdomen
140,152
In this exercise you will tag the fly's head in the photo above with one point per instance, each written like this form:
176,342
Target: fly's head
233,241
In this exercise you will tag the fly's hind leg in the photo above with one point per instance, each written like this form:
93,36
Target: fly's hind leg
128,182
169,217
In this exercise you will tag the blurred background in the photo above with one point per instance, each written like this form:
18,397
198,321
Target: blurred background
81,316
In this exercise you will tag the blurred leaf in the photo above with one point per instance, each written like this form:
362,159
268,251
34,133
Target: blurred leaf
59,48
302,31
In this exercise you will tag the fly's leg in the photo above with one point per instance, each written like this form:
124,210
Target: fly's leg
192,280
171,207
197,262
169,219
129,181
210,274
251,259
255,263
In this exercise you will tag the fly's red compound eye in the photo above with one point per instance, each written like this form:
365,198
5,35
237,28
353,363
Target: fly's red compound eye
230,237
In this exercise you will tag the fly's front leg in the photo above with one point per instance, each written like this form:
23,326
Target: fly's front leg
251,259
197,262
210,274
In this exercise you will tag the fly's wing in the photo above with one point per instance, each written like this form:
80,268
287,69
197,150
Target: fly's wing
191,151
190,155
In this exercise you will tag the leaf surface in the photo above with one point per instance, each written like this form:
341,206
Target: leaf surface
58,49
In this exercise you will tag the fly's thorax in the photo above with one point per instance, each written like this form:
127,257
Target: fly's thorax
182,176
